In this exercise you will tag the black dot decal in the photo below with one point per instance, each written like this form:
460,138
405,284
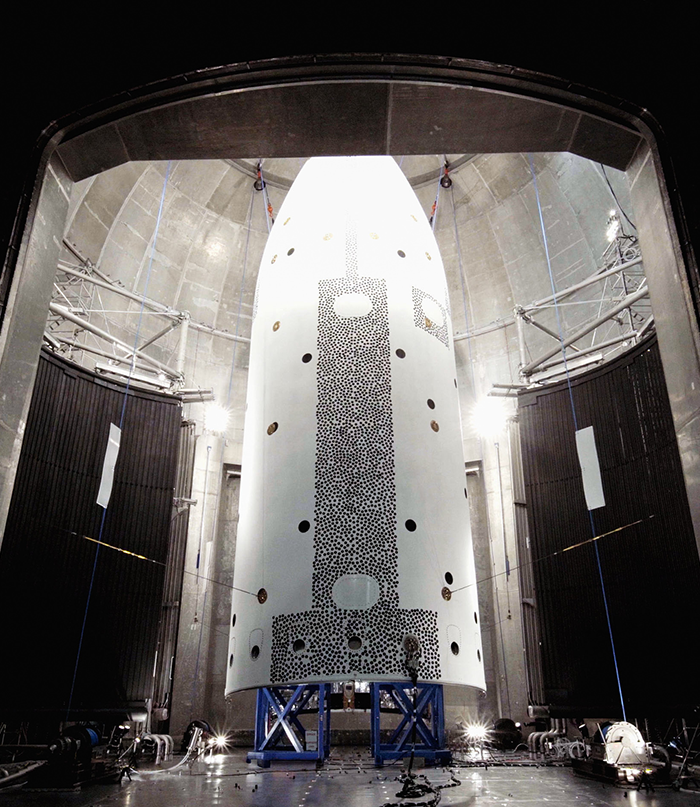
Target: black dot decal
454,647
291,251
448,578
465,494
272,428
233,621
401,253
355,526
401,353
304,526
254,652
411,525
476,618
230,660
306,358
431,403
478,654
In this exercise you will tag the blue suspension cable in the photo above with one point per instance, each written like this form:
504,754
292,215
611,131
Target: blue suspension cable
573,412
121,423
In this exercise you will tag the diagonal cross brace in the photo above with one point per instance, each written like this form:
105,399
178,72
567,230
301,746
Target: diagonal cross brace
286,714
404,730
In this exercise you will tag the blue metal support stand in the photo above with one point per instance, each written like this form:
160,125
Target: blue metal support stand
428,715
279,733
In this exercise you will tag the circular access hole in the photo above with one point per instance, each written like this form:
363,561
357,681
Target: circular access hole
434,425
272,428
354,643
290,251
401,253
448,578
230,660
401,353
306,358
254,652
454,647
233,621
411,525
431,403
299,645
304,526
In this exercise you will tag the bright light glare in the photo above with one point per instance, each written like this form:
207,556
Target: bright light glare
476,732
489,416
215,417
221,740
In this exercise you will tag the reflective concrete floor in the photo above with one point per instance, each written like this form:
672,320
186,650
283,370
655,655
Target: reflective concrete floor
348,779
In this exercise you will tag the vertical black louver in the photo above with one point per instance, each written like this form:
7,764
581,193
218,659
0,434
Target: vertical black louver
47,559
651,568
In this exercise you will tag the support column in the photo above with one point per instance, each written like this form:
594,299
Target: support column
25,318
190,689
674,315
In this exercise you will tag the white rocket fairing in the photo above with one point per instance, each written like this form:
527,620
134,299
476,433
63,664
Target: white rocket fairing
354,522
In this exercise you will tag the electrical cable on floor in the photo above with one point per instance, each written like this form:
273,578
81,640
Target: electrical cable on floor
121,423
573,412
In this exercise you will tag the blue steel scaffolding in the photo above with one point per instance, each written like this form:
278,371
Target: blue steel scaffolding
426,713
280,734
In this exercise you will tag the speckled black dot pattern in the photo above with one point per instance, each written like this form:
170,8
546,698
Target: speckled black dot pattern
438,331
355,502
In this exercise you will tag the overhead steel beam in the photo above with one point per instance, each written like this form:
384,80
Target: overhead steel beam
160,308
232,337
589,281
96,351
110,286
66,314
553,334
631,299
593,349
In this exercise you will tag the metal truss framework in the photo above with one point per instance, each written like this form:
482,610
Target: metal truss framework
69,330
622,317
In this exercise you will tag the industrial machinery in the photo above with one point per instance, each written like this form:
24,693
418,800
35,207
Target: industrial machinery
619,753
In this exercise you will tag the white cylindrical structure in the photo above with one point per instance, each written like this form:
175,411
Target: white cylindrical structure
354,519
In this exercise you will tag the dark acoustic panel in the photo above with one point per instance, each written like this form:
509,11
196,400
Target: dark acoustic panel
47,559
649,561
